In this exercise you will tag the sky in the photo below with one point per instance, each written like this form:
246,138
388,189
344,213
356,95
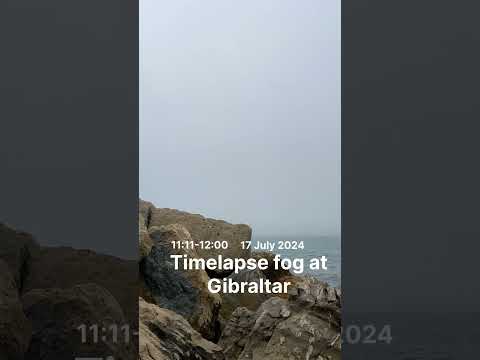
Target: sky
240,112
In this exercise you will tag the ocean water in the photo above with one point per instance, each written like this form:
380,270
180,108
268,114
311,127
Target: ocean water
315,247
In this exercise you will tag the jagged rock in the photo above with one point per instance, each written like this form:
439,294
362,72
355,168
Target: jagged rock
250,301
56,315
184,292
16,249
305,326
311,290
63,267
203,230
267,317
304,336
235,334
165,335
15,330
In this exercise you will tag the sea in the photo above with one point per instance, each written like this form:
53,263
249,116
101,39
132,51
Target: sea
314,247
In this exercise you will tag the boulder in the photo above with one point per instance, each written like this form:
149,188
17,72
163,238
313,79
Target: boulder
165,335
304,326
58,314
253,301
182,291
303,335
250,301
271,273
311,291
64,267
15,330
16,250
235,335
207,231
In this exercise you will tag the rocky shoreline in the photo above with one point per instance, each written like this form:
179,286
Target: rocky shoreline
48,293
305,323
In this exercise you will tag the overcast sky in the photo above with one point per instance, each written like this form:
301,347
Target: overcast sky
240,111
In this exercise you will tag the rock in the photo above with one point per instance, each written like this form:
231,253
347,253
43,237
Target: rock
145,243
250,301
185,292
15,330
165,335
263,323
235,334
304,326
63,267
207,231
304,335
57,314
311,290
145,209
16,249
253,301
271,273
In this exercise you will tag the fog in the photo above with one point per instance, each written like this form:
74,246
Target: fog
240,111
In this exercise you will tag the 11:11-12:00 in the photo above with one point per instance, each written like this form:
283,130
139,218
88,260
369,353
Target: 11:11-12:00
108,334
207,245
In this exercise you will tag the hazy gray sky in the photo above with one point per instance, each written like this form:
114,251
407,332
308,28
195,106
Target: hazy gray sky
240,111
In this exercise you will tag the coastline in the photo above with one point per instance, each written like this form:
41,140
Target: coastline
227,319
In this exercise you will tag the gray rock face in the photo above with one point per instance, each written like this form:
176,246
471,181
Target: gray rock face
170,289
184,292
56,315
15,330
165,335
306,326
202,229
